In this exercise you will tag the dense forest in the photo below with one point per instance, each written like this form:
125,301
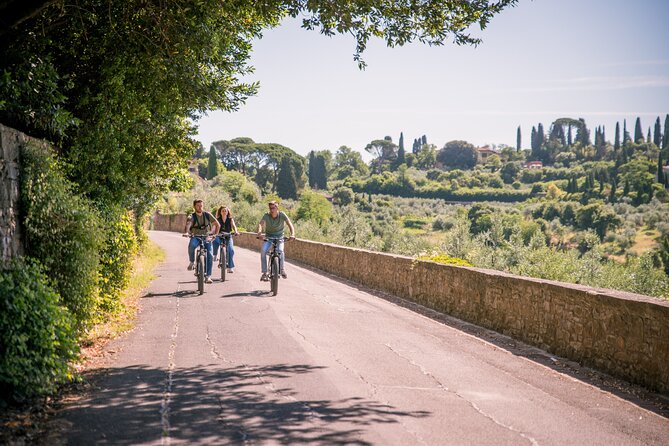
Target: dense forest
570,207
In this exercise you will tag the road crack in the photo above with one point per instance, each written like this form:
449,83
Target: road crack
167,392
472,404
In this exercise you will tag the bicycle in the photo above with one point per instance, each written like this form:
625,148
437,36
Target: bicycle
200,261
223,253
273,262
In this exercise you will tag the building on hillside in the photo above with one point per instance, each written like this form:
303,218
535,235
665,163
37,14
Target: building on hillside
533,165
483,153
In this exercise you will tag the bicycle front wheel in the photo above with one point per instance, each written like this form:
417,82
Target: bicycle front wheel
274,275
200,274
223,261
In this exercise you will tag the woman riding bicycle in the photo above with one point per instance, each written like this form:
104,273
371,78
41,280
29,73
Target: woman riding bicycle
201,223
273,224
227,224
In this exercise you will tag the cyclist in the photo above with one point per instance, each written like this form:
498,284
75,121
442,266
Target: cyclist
200,223
227,223
273,224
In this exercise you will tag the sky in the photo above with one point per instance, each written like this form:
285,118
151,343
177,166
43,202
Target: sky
600,60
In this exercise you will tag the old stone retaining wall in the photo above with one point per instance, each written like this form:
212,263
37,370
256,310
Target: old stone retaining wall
623,334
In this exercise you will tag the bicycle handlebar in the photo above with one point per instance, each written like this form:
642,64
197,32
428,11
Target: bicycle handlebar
197,236
283,239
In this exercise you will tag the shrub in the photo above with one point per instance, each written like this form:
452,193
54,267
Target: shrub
62,231
116,257
36,339
314,206
442,223
446,260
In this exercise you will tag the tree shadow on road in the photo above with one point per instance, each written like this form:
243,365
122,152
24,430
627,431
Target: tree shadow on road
215,405
639,395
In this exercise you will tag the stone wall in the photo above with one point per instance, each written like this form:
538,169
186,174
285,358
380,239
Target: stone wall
10,232
172,223
623,334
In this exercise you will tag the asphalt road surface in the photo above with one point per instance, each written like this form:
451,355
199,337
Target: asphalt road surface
328,362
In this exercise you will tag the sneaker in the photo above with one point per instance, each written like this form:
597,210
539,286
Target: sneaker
207,279
191,265
284,275
264,277
231,270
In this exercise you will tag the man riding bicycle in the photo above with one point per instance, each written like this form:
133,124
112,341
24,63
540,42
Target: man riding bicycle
201,223
273,224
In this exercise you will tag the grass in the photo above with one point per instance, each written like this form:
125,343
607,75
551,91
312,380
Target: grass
645,240
124,320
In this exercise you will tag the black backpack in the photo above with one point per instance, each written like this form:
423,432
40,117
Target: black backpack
196,222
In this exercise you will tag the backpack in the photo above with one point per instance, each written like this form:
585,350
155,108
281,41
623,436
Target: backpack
196,222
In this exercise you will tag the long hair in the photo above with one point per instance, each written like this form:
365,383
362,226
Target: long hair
220,209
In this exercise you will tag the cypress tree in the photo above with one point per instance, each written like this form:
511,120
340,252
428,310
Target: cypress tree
212,165
612,193
570,141
660,172
400,151
583,134
540,135
665,135
286,184
657,135
616,144
626,134
518,139
423,140
533,141
648,140
600,142
312,168
626,188
320,172
638,131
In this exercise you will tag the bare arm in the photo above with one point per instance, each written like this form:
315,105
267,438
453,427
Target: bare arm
216,227
291,227
233,226
261,227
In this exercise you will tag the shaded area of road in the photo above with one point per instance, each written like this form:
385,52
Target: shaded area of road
327,362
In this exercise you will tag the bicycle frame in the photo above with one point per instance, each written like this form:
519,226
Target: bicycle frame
200,261
274,262
223,253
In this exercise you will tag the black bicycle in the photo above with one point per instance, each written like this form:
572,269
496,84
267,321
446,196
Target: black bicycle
223,253
273,262
200,261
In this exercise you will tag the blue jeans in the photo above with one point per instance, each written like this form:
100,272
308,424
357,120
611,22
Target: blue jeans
263,255
194,243
230,250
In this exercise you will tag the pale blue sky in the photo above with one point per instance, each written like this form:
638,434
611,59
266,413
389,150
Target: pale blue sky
601,60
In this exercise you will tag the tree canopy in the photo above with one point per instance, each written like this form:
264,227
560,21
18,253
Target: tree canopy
457,154
117,85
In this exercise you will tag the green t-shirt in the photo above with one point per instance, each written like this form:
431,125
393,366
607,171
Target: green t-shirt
274,226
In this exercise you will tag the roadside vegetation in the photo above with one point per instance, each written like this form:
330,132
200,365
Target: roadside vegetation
567,209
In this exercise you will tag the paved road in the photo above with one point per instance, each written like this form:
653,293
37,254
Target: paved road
326,362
